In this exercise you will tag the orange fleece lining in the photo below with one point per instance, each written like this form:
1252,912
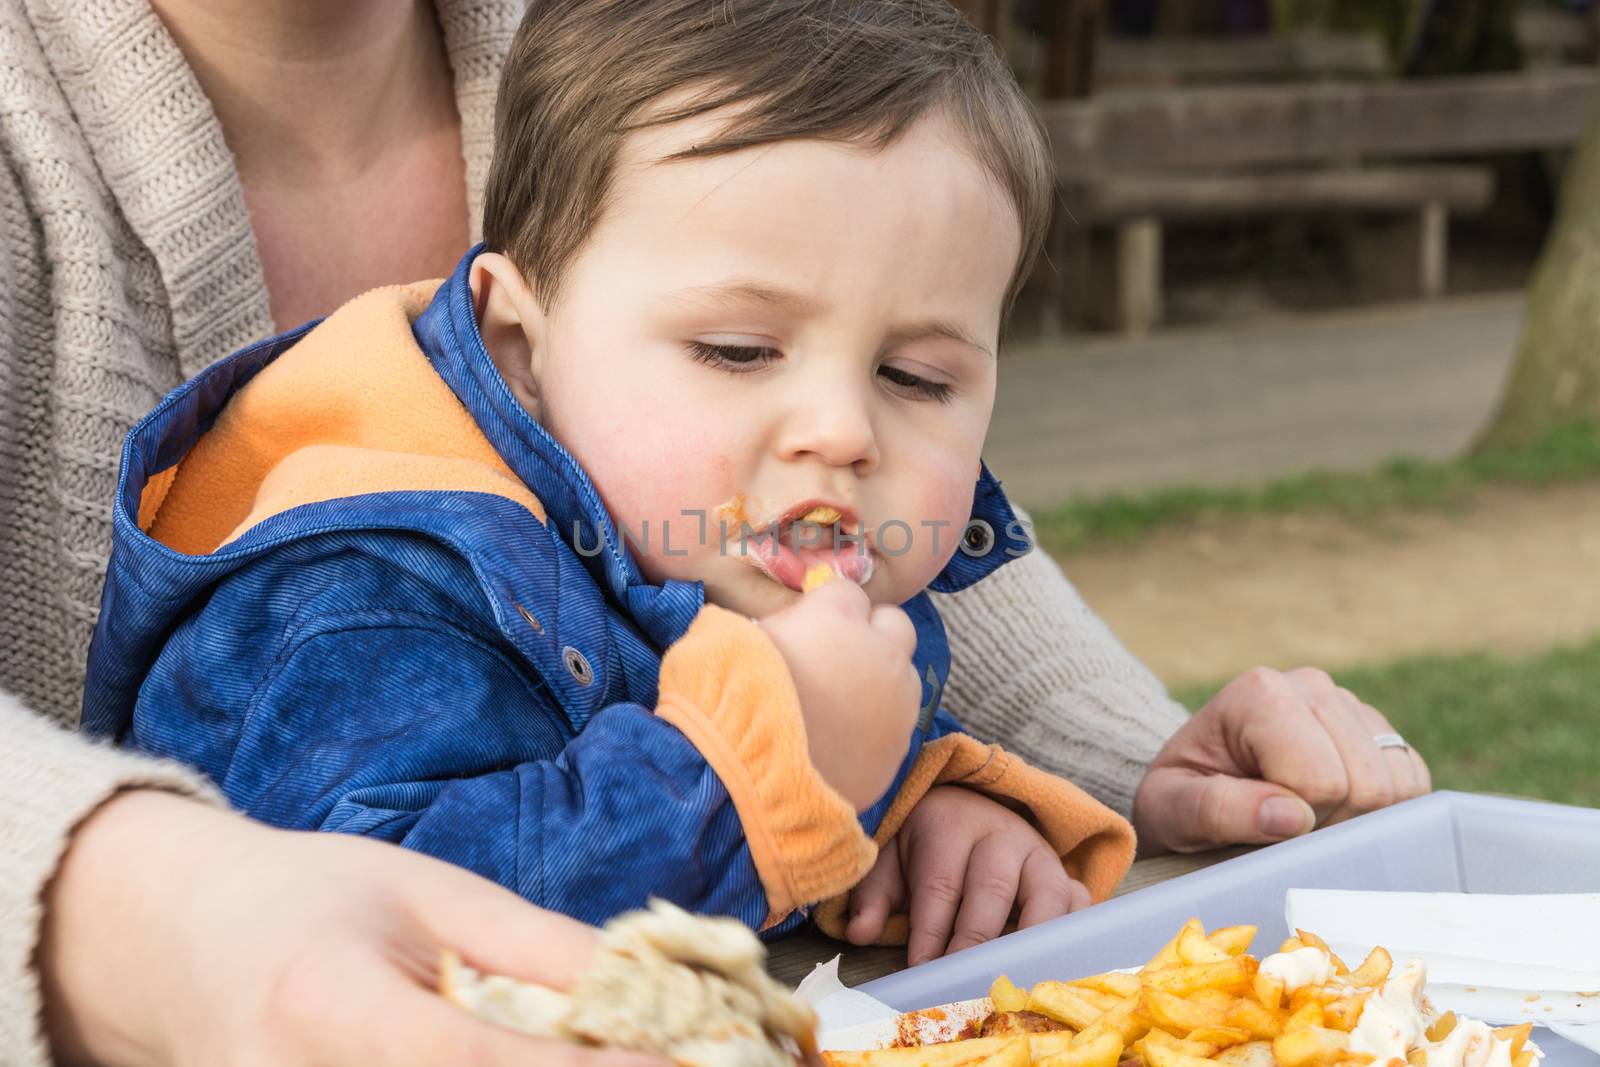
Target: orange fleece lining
728,689
1096,845
354,407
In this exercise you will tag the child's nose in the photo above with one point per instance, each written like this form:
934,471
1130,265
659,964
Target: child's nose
835,428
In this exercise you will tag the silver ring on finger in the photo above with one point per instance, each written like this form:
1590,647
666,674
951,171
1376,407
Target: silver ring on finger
1390,741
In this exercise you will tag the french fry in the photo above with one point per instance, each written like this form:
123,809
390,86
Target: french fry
1344,1012
1517,1035
1175,1013
1373,970
1268,990
1234,940
1049,1042
1249,1054
1064,1003
1014,1053
1101,1051
1114,982
1161,1056
1262,1023
1311,1046
1185,1045
1442,1026
1194,948
1124,1020
1220,1036
1101,1000
947,1054
1214,999
1005,996
1307,1015
1232,975
1168,956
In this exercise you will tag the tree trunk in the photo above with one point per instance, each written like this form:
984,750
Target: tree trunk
1556,377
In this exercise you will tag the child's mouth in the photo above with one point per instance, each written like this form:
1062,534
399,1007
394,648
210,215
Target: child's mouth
810,542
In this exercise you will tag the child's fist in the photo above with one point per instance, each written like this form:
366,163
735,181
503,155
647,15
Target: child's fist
964,866
859,693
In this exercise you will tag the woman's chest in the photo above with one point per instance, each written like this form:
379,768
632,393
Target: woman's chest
322,245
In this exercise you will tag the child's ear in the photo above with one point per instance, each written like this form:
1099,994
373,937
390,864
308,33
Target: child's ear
511,322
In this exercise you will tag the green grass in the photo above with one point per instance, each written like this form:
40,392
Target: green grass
1567,454
1486,723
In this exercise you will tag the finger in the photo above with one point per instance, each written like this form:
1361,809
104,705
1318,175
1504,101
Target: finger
1206,810
423,1030
880,892
1369,785
497,931
1080,895
1282,740
1424,776
987,894
896,627
935,873
846,598
1406,770
1044,891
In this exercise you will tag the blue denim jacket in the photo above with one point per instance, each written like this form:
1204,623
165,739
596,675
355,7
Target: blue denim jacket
441,669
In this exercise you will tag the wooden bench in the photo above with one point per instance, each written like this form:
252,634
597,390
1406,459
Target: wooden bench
1171,62
1130,160
1137,204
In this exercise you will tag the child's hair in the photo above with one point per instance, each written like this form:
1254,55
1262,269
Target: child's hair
583,74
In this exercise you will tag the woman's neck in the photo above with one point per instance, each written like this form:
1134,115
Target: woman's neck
311,92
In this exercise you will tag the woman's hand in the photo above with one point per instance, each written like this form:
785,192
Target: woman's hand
184,936
1269,757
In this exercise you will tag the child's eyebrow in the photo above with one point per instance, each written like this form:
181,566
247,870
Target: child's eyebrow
936,328
748,292
731,294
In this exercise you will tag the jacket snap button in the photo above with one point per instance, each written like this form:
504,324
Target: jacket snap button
527,616
577,666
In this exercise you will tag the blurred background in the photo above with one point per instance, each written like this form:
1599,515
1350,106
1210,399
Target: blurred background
1311,372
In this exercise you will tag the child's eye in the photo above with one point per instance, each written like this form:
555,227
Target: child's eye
732,356
915,386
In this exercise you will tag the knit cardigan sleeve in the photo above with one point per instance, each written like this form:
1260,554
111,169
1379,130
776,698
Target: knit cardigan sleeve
1036,670
50,781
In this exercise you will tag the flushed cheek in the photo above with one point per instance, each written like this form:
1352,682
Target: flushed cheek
665,505
919,540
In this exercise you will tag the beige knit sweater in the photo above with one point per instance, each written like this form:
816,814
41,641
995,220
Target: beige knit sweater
127,263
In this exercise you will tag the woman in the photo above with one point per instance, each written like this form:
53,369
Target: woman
185,176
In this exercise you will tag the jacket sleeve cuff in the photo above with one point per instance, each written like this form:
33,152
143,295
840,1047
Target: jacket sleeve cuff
53,781
726,687
1095,844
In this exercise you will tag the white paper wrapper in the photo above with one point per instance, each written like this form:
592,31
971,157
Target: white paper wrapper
848,1020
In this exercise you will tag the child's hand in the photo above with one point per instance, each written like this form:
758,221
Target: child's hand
859,693
961,860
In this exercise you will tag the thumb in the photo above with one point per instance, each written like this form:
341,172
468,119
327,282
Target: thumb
1188,810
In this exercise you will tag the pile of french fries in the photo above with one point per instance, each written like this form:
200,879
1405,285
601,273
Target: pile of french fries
1200,1001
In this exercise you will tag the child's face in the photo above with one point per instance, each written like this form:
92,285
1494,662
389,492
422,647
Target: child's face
748,336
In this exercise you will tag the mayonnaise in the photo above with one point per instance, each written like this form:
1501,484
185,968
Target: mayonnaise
1392,1020
1302,967
1470,1044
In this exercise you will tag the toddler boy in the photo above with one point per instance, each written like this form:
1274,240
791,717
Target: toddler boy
514,570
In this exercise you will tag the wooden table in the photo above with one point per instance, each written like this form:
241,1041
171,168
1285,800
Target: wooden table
792,959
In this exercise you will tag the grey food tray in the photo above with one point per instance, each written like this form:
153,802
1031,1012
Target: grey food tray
1445,842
